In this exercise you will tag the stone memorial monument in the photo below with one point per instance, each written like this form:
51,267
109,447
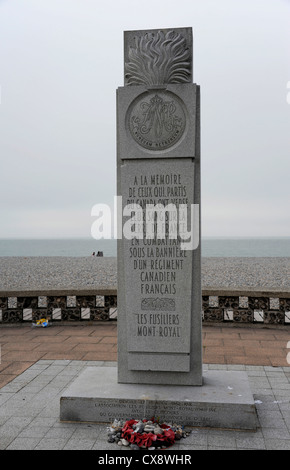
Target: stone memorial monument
158,177
159,370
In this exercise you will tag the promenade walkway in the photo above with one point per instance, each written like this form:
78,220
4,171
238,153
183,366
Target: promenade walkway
37,364
22,346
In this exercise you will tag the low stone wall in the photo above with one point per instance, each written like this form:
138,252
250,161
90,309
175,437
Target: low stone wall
219,306
58,306
246,307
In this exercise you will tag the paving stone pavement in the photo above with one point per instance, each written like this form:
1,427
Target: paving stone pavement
36,365
21,345
29,412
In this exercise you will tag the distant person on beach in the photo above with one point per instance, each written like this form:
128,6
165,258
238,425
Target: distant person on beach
100,253
94,254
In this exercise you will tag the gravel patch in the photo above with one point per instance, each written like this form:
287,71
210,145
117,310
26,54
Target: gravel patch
57,273
40,273
254,273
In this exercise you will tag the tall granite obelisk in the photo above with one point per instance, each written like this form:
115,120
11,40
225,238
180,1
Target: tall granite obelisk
158,178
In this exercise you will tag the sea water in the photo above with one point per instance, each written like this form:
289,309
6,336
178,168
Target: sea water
210,247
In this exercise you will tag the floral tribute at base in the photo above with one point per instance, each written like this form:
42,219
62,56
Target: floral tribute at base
145,434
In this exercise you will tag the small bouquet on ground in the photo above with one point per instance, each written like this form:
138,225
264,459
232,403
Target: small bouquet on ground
42,322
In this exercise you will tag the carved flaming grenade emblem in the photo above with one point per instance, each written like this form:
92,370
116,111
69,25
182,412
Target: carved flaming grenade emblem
158,59
157,119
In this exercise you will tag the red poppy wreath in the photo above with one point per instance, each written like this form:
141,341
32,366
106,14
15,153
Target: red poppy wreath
164,438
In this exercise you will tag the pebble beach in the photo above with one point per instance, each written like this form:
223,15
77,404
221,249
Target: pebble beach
39,273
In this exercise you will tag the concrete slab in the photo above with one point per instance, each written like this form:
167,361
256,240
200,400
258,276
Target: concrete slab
223,401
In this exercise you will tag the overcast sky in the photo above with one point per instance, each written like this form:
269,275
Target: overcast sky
61,62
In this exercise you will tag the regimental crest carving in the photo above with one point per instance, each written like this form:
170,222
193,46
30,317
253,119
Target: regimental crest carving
157,120
158,304
158,58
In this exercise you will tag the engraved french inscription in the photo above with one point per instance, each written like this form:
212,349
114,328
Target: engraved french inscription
159,272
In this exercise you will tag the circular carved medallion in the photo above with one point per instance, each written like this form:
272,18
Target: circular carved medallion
156,120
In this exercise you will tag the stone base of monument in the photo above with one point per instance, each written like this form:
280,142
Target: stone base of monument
223,401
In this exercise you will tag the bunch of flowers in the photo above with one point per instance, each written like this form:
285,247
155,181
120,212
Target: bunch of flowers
163,435
42,322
